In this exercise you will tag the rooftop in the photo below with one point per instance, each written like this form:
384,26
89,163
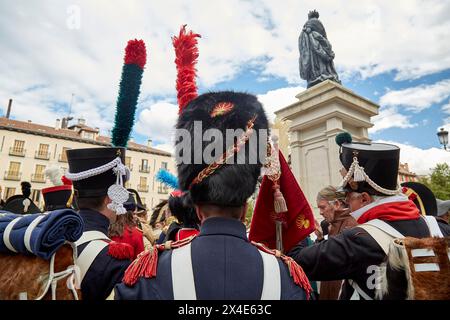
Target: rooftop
73,133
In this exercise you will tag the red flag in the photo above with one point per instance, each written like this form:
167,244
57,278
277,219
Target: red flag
299,220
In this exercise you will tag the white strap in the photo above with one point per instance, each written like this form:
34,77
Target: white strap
88,236
272,277
382,238
88,256
358,293
380,224
7,232
29,231
183,274
435,231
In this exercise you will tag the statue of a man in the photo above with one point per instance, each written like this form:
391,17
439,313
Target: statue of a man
316,56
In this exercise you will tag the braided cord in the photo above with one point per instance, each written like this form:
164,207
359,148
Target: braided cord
94,171
209,170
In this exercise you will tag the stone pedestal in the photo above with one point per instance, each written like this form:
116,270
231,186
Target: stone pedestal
322,112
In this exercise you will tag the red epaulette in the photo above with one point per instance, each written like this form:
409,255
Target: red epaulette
295,270
147,261
120,250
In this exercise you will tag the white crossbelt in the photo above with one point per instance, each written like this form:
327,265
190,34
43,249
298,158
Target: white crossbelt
432,224
183,275
91,251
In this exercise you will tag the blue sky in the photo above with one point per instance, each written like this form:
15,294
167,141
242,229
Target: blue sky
396,54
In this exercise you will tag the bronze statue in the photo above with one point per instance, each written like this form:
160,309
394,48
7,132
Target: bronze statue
316,55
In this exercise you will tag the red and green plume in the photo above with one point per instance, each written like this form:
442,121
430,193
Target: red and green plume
186,54
135,59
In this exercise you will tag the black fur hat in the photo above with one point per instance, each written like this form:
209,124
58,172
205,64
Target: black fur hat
230,184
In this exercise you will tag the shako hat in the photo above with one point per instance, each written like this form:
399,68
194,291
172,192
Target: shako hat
369,167
422,197
60,195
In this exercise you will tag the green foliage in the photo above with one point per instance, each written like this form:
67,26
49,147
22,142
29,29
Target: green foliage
439,181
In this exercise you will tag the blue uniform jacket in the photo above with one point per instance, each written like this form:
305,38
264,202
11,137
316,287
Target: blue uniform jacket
225,265
105,272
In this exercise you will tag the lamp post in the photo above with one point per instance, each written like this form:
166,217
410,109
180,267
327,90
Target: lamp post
443,138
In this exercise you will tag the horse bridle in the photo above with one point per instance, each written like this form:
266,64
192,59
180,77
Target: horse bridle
72,273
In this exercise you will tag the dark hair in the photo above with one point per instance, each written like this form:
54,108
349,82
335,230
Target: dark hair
94,203
26,188
156,212
117,228
184,214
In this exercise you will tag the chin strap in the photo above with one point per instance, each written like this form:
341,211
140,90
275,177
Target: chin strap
356,173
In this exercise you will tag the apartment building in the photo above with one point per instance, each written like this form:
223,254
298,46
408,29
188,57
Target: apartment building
27,148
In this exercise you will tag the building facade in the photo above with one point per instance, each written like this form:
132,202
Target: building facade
404,175
27,149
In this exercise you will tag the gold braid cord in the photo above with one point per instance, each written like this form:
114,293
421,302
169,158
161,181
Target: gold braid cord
209,170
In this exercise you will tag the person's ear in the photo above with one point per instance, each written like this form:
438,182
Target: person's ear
199,214
244,212
366,198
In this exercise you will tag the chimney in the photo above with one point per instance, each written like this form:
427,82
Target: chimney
58,124
149,143
8,112
81,121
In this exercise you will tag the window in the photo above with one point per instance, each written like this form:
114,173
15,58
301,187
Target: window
128,163
162,188
38,175
164,165
87,135
18,148
143,201
35,195
13,172
144,166
9,192
42,152
63,155
18,145
143,184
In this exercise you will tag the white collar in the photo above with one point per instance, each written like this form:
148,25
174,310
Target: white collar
397,198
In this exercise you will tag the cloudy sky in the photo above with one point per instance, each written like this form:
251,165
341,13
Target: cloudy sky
395,53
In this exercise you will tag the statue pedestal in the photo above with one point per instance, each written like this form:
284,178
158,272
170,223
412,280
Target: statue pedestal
322,112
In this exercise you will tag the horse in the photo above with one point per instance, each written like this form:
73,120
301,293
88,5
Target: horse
25,277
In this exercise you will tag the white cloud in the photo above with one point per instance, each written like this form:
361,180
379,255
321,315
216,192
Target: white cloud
420,161
390,118
446,108
417,98
38,48
166,147
158,122
274,100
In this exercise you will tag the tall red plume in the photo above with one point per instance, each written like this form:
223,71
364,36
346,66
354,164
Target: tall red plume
186,54
135,53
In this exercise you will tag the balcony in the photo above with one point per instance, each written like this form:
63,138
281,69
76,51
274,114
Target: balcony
13,175
62,158
18,152
163,189
144,169
142,188
38,177
42,155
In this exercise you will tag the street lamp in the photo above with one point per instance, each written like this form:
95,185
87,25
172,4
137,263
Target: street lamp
443,137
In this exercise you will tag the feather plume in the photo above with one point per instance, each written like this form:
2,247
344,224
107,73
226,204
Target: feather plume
54,175
186,54
167,178
135,59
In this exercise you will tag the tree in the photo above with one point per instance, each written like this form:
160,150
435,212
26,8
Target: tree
439,181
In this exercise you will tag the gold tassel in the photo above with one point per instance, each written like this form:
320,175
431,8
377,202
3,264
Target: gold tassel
279,202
